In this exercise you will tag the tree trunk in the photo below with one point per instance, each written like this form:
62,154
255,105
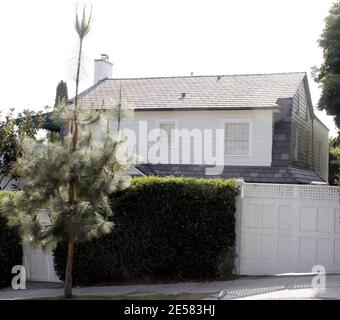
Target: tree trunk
73,179
71,199
69,265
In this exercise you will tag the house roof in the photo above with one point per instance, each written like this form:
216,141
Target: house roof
248,173
195,92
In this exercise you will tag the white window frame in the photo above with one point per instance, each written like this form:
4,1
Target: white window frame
167,121
250,137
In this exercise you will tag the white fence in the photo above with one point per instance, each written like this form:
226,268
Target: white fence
287,228
38,261
279,229
39,264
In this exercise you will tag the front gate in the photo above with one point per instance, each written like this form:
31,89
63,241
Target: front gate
287,228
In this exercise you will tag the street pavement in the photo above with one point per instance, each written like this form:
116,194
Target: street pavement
293,286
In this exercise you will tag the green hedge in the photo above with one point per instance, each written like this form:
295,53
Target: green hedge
10,248
165,229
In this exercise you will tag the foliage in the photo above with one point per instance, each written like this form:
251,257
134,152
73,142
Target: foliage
46,168
328,74
61,93
12,130
165,228
10,248
53,125
334,161
83,26
71,179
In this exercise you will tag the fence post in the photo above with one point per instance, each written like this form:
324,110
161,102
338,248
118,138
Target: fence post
238,221
296,222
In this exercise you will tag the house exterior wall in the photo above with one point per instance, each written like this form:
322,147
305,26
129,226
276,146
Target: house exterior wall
320,157
261,131
287,137
282,120
302,130
309,137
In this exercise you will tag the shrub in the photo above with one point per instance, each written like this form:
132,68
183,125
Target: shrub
334,162
10,248
165,228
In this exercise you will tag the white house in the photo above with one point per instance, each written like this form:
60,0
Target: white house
259,127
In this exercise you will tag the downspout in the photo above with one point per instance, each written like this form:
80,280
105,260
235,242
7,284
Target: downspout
313,166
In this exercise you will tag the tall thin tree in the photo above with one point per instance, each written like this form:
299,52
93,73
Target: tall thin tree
82,27
73,180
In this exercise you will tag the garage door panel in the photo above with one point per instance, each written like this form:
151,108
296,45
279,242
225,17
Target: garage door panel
250,245
269,217
307,219
269,246
284,247
324,219
307,249
253,217
285,217
337,251
324,251
337,220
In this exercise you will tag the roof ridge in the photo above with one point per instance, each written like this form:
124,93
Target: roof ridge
208,76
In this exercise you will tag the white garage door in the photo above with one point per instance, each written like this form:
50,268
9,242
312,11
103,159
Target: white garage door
288,228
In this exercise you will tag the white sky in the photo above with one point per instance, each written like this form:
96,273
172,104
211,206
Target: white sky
155,38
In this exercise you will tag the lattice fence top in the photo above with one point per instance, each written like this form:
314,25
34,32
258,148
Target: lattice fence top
311,192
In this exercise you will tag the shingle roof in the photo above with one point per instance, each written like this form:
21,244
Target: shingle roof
249,174
190,92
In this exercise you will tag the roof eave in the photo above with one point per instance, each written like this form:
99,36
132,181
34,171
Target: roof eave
139,109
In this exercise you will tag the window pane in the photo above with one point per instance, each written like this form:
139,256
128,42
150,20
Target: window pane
166,134
237,139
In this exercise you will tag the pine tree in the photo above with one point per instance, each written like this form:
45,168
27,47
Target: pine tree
61,93
72,180
55,128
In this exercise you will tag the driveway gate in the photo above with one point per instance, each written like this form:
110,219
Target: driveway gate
287,228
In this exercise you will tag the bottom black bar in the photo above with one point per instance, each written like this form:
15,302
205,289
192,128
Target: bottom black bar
164,309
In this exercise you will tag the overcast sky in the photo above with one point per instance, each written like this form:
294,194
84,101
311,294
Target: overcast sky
155,38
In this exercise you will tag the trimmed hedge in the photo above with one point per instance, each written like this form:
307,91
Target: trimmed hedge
10,249
165,229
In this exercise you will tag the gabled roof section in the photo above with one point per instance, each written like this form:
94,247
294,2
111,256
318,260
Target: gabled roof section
218,92
310,103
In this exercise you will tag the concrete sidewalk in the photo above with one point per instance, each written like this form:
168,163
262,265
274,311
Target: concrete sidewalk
243,288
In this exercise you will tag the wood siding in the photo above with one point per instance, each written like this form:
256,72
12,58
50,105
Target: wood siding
320,156
309,137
